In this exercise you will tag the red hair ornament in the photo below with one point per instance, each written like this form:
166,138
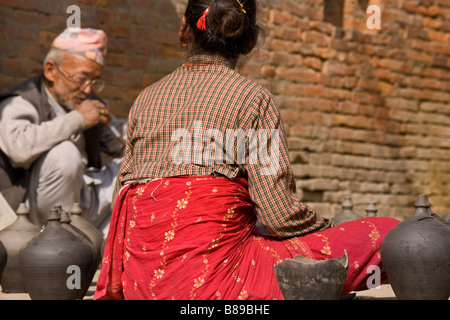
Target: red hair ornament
201,23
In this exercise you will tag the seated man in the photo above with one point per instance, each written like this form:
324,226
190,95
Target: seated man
53,129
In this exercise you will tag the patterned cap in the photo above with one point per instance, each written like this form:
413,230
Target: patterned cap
87,42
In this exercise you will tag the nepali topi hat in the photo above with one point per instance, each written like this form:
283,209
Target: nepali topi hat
87,42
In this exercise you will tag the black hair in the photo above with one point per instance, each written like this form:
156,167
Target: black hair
231,29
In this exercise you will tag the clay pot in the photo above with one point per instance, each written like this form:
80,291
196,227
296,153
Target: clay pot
443,219
66,224
103,246
93,234
56,264
447,216
14,237
416,258
371,210
3,258
307,279
347,214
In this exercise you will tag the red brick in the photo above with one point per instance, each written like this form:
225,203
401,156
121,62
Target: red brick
399,103
142,4
315,37
20,33
312,62
298,75
119,31
325,53
284,18
46,37
285,33
282,45
6,81
137,63
350,121
268,71
31,18
14,66
32,51
439,73
335,67
439,36
150,78
366,98
324,105
21,4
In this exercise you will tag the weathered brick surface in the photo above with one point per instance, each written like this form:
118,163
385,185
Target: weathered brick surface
367,112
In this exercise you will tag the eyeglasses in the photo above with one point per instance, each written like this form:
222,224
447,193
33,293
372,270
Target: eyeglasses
83,82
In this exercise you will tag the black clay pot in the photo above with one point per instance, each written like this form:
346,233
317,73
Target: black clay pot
93,234
307,279
3,258
371,210
14,237
447,216
347,214
416,256
56,264
443,219
66,224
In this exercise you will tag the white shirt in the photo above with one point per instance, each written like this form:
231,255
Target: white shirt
23,139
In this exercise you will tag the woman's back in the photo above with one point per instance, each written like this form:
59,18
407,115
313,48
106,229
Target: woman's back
189,118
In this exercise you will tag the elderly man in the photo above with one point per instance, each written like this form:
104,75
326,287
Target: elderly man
53,128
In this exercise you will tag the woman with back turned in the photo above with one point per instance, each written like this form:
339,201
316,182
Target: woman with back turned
206,158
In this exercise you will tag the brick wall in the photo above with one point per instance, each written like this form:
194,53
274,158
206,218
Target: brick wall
142,35
367,112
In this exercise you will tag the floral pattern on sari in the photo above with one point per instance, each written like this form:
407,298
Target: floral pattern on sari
196,238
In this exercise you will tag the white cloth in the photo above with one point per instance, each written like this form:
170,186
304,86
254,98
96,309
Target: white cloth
97,193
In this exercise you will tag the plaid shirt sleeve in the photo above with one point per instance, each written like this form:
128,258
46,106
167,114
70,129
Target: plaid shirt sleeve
272,184
127,159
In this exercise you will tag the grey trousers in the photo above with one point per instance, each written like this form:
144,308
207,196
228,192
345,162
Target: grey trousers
60,177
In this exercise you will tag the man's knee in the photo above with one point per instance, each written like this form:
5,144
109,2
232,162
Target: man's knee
63,162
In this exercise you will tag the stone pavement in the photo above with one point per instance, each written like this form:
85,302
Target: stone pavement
384,292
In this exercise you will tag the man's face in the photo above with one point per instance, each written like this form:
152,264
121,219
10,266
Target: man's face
70,83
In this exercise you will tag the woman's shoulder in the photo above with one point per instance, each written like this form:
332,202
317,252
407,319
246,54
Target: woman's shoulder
232,82
252,86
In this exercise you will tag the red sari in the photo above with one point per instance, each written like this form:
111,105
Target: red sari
195,238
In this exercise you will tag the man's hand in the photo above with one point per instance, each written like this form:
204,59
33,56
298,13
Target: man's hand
94,112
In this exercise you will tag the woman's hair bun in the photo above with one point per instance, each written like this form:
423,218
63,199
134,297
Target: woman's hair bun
230,29
227,20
